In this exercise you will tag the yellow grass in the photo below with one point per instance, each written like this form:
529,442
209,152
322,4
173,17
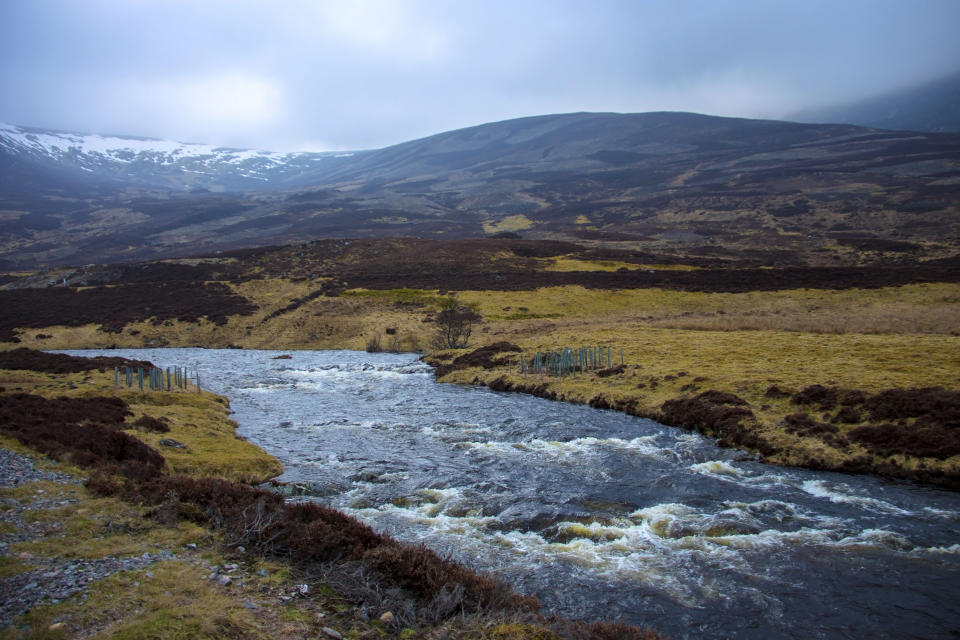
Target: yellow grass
578,264
198,420
509,223
923,308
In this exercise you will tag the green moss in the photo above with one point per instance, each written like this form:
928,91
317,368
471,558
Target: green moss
293,613
12,566
174,601
98,527
521,631
409,296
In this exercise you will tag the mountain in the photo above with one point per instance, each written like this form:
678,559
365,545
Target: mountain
679,182
934,106
161,163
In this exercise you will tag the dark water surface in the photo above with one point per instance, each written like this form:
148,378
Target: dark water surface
599,514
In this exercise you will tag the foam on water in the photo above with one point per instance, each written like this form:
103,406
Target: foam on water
569,450
716,467
835,492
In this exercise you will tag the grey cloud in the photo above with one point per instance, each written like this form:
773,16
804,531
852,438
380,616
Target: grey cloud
368,74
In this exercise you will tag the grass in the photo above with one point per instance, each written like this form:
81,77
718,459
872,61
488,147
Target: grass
924,308
350,320
509,223
742,343
578,264
174,601
666,363
93,528
200,421
12,566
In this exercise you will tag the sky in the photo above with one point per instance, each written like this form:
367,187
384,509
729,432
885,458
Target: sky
318,75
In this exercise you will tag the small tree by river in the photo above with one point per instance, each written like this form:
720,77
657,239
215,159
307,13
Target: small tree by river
454,324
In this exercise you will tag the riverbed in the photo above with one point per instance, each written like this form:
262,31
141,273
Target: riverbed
599,514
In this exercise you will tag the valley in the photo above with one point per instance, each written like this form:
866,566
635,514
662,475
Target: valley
771,339
708,186
790,291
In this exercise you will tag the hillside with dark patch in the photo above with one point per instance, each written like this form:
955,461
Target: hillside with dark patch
824,194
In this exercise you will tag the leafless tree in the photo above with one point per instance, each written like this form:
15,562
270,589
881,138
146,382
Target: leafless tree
454,323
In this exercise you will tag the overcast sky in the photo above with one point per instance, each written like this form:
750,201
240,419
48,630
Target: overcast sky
354,74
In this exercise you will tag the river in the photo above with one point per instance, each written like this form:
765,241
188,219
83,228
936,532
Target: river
599,514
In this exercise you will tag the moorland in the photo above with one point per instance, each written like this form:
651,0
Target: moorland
851,368
789,290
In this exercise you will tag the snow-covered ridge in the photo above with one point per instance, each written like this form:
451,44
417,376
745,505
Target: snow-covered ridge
91,153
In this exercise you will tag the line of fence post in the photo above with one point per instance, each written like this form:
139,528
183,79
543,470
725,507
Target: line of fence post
157,379
566,361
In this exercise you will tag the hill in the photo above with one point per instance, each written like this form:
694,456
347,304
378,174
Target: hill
680,182
933,106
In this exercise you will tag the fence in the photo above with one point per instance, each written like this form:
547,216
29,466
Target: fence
156,379
569,362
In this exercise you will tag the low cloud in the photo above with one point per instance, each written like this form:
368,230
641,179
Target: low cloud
370,73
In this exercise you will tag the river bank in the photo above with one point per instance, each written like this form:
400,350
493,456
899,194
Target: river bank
111,536
898,432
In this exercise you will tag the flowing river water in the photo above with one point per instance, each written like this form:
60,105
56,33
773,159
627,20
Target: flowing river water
599,514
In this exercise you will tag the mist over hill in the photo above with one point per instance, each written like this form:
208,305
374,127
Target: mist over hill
664,181
933,106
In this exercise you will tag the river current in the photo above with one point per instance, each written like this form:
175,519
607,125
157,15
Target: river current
599,514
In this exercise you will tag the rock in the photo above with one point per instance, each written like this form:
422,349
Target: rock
263,573
250,605
224,580
327,631
56,626
303,589
387,618
170,442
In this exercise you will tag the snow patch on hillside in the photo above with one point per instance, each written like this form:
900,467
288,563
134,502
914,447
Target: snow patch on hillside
126,150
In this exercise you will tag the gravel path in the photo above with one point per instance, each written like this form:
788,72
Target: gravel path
52,580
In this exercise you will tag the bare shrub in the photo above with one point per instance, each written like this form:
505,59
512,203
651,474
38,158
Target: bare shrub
454,324
482,357
84,431
824,397
889,439
34,360
373,344
929,405
312,534
149,423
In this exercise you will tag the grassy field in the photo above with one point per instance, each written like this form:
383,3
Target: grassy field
762,347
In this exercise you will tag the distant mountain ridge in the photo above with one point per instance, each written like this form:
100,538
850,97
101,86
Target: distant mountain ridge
662,180
165,163
934,106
